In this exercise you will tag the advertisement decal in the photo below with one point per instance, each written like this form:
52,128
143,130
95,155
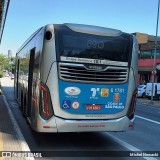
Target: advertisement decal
80,98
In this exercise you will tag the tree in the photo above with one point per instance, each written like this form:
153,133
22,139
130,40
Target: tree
4,62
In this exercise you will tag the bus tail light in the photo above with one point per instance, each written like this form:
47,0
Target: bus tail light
46,109
132,105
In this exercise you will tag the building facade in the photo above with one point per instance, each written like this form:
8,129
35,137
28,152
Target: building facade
146,58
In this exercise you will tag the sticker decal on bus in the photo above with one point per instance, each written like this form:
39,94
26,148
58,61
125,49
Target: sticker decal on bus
75,105
94,93
72,91
104,92
66,104
114,105
96,107
116,97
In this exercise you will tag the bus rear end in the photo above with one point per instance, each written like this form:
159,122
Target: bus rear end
92,84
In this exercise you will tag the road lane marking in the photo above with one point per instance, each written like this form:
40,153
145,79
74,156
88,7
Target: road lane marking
129,147
23,144
149,120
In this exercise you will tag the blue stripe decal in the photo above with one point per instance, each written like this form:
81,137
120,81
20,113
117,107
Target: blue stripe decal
80,98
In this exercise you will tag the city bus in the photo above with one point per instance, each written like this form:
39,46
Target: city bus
77,78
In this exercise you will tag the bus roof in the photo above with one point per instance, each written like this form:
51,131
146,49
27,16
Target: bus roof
83,28
96,30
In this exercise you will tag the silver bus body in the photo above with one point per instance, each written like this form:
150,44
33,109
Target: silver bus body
62,89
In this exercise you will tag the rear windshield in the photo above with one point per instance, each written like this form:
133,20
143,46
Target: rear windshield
81,45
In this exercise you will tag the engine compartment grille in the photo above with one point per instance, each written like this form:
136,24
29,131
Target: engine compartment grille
79,73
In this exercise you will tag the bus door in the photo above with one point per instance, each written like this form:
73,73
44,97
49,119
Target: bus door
30,82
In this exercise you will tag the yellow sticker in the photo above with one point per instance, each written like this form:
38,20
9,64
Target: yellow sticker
104,92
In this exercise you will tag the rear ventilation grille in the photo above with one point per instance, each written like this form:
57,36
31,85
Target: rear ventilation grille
79,73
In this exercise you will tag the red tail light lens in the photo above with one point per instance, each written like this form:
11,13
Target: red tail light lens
46,110
132,105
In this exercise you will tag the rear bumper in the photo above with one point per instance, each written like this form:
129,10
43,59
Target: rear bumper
62,125
120,124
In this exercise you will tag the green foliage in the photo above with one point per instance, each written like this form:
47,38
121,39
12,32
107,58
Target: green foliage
4,63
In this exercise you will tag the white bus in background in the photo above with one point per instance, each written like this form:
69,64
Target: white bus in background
77,78
156,90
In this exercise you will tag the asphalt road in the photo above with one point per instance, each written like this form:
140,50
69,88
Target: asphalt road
144,137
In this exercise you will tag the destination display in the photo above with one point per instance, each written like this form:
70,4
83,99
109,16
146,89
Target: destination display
93,61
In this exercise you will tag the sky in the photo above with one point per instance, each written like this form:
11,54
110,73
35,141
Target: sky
26,16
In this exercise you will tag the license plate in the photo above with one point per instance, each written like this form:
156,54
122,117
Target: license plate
93,107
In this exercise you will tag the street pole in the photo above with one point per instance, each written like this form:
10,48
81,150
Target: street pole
155,51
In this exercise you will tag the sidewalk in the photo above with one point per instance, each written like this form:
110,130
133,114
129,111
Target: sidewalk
9,136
